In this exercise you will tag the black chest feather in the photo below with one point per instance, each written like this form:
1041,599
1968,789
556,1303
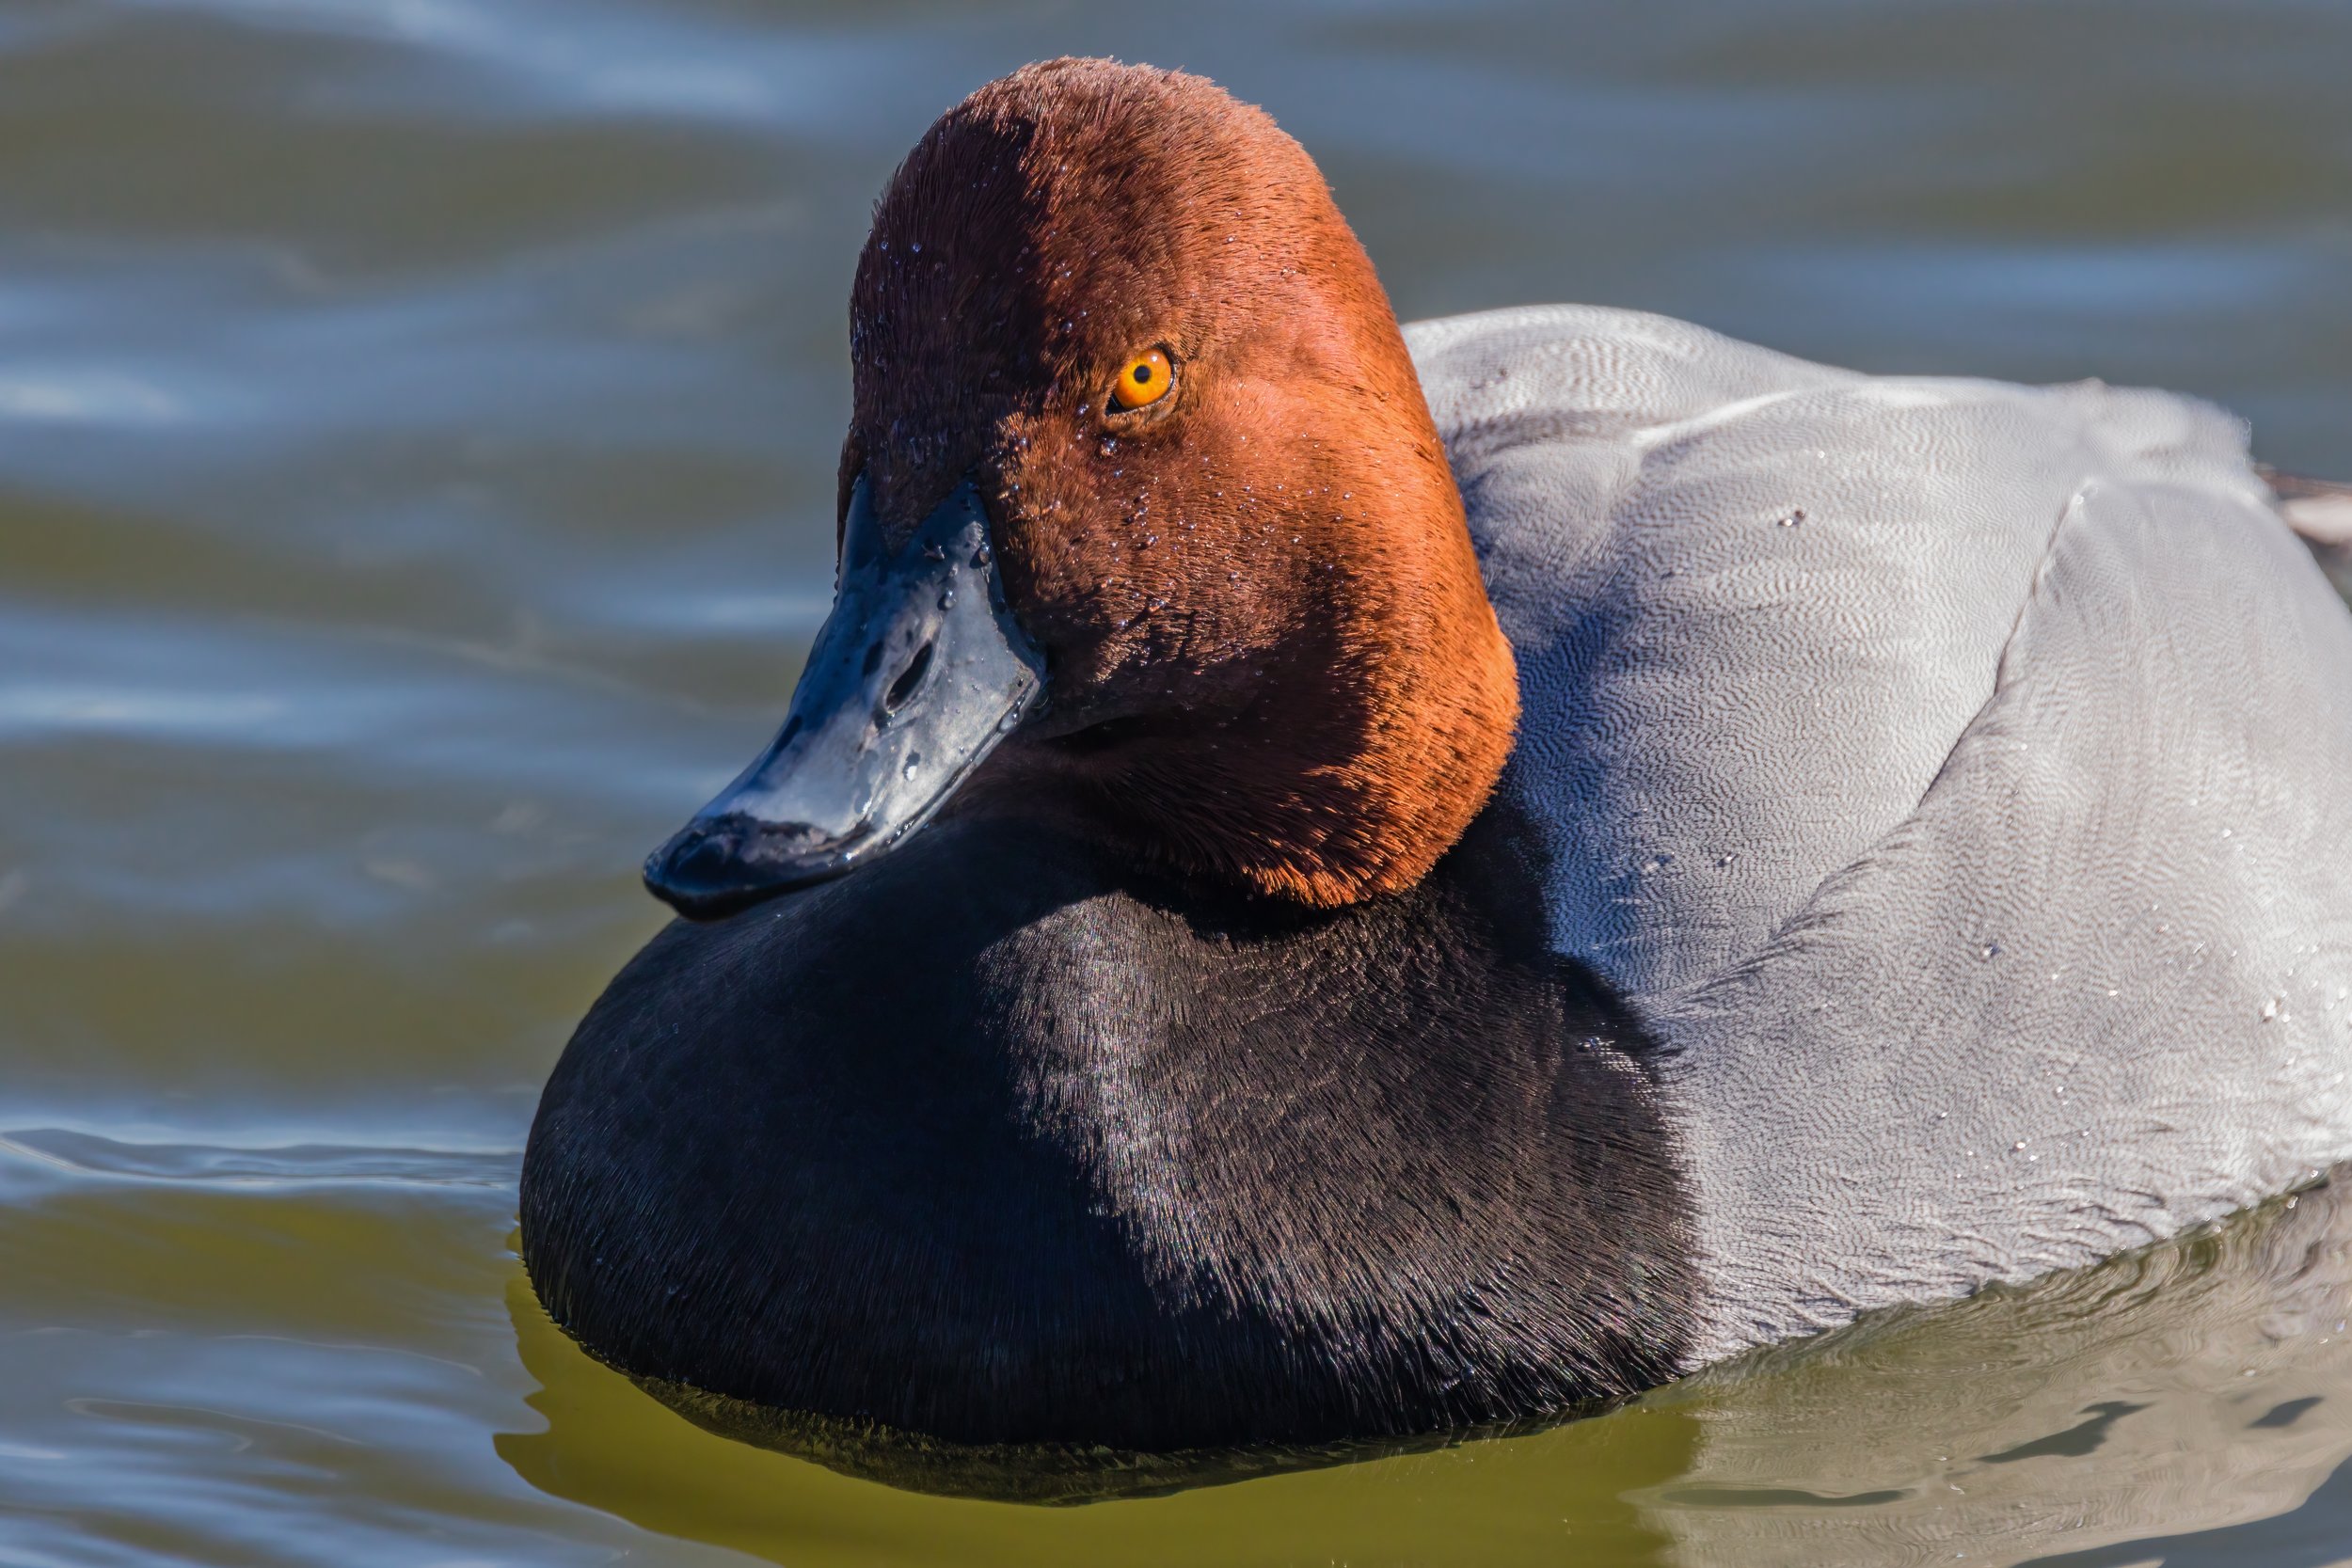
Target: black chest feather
989,1144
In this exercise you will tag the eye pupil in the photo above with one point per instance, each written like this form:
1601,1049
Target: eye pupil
1143,374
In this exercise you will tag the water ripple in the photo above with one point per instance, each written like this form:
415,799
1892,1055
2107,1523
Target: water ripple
293,1164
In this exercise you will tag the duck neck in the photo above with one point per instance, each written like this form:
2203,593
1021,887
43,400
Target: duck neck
1352,752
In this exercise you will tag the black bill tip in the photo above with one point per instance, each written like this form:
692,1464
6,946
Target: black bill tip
716,867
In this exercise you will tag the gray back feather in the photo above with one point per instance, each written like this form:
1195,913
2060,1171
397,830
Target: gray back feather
1957,774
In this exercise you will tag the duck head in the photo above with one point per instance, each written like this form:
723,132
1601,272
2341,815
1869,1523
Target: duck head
1143,523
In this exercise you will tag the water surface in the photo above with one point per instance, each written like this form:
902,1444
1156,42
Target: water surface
416,431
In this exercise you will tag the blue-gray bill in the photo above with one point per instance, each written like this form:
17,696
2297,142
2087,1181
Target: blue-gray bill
916,677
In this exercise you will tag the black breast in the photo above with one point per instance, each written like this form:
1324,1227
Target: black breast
991,1143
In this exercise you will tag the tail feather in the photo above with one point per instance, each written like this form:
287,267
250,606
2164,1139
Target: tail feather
2321,512
2320,509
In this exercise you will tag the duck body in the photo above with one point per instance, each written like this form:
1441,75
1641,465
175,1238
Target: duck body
1455,885
1906,953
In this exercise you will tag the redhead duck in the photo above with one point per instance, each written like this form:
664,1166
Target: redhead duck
1324,880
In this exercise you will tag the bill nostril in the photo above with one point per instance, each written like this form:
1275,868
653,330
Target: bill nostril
909,678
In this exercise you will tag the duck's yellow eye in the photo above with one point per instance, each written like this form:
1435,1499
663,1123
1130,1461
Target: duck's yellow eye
1144,380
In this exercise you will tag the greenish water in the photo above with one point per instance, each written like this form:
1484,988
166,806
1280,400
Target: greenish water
417,429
